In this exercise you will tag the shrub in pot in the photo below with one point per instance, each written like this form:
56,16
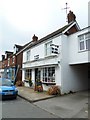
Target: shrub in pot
54,90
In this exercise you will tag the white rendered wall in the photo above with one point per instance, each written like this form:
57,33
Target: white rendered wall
44,61
75,77
76,56
57,78
39,49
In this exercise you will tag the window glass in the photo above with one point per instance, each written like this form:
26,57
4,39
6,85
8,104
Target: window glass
88,44
82,45
84,41
28,74
81,37
87,35
28,55
48,48
49,74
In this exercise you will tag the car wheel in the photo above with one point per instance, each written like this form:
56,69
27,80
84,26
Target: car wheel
15,97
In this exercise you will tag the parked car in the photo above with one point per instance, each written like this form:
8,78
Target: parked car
7,89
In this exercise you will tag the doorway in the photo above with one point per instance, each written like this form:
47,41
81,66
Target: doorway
37,74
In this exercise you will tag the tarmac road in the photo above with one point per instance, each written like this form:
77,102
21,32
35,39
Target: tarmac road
20,108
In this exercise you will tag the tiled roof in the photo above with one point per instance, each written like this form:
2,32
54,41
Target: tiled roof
51,35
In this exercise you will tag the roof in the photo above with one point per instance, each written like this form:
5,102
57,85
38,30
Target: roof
18,46
59,31
8,52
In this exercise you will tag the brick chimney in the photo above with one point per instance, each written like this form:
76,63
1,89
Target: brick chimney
71,17
3,57
34,38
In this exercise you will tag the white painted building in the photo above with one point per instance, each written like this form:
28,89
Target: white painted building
60,58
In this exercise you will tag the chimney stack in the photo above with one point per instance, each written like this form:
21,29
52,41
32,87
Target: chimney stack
3,57
34,38
71,17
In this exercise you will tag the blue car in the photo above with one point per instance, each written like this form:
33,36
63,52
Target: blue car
7,89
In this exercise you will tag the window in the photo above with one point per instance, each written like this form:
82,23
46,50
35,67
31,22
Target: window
49,74
8,61
28,55
48,48
28,74
87,38
84,42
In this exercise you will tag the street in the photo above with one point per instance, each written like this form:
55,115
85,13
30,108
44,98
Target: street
67,106
22,109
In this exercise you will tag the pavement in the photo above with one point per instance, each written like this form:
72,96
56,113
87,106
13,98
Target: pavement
30,95
73,105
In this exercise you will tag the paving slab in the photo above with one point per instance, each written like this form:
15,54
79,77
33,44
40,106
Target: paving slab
67,106
33,96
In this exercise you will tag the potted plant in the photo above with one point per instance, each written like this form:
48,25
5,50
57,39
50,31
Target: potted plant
38,86
30,82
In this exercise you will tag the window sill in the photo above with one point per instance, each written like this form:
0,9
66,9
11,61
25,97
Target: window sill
82,51
49,83
52,55
27,81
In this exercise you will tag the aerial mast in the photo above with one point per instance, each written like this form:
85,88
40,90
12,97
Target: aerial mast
66,8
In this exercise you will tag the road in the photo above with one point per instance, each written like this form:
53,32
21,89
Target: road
22,109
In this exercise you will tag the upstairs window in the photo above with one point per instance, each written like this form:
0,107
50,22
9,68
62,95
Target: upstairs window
8,61
84,42
28,55
48,48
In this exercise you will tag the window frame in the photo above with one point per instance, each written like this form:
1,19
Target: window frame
47,76
48,49
28,74
28,55
85,39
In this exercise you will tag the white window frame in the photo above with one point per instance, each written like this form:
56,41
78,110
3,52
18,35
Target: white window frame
28,74
28,55
48,48
46,75
84,40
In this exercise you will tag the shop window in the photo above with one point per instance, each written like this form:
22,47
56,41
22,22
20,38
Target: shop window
28,74
49,75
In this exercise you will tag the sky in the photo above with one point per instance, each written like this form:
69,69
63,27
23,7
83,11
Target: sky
21,19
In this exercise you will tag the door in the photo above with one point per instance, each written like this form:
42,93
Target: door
37,74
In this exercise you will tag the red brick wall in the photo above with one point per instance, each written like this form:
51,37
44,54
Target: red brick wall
19,62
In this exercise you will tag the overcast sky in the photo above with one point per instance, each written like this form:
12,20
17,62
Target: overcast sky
21,19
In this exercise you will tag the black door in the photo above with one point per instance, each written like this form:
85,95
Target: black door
37,74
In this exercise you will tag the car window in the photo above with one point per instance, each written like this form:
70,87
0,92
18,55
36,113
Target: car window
6,83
